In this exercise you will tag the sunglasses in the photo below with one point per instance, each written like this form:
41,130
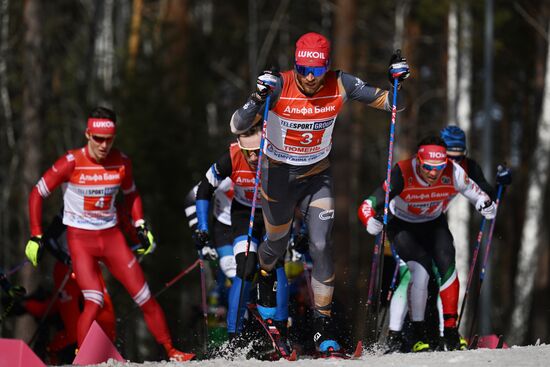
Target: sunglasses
456,158
431,167
317,71
102,139
248,152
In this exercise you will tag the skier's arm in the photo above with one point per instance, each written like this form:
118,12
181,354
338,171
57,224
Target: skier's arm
190,208
468,188
60,172
211,180
250,113
374,204
358,90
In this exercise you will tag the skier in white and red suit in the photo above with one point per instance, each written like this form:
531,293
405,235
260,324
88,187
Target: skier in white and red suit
91,177
418,229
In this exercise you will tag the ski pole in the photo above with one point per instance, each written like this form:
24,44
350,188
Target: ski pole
167,285
393,286
252,210
17,267
486,257
203,302
379,247
50,305
471,272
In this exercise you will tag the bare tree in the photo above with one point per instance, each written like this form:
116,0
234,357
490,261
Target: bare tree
459,80
31,138
133,42
530,240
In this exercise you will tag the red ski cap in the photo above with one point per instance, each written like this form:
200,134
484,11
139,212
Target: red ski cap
434,155
312,49
101,126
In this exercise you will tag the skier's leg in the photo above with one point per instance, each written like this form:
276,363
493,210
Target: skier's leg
405,238
124,266
84,251
278,203
246,269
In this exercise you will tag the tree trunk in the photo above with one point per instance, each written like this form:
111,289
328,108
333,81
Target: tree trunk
133,42
452,62
31,138
104,49
529,250
459,113
344,172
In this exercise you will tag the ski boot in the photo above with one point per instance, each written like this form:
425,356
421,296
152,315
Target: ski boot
394,342
453,340
323,336
175,355
419,341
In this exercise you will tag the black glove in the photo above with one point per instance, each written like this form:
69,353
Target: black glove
398,68
265,84
146,238
504,175
204,246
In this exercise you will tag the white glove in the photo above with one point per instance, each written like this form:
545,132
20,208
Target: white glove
487,208
209,253
374,226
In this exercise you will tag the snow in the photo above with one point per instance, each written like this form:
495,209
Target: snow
513,357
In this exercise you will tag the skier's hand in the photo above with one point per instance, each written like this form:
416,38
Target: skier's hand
148,244
398,68
34,249
504,175
487,208
374,226
265,84
204,246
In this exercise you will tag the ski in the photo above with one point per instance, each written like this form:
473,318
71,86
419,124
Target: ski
500,343
357,353
280,348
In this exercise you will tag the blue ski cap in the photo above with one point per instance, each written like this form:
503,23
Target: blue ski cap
454,138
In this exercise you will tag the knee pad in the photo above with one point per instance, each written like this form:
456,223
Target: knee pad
228,266
246,267
93,296
240,243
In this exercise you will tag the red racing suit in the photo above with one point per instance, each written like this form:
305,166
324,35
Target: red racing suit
93,234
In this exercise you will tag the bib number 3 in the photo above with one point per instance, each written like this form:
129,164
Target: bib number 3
299,138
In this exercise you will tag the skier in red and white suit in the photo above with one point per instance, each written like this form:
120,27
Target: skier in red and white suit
91,178
420,188
304,106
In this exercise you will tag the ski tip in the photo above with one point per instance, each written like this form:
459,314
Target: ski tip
293,356
358,350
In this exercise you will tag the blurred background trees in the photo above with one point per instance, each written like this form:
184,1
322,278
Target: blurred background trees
175,70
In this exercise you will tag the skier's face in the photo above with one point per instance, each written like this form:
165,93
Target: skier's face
99,145
430,174
309,84
251,156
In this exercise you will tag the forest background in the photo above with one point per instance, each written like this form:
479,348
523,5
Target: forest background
175,70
